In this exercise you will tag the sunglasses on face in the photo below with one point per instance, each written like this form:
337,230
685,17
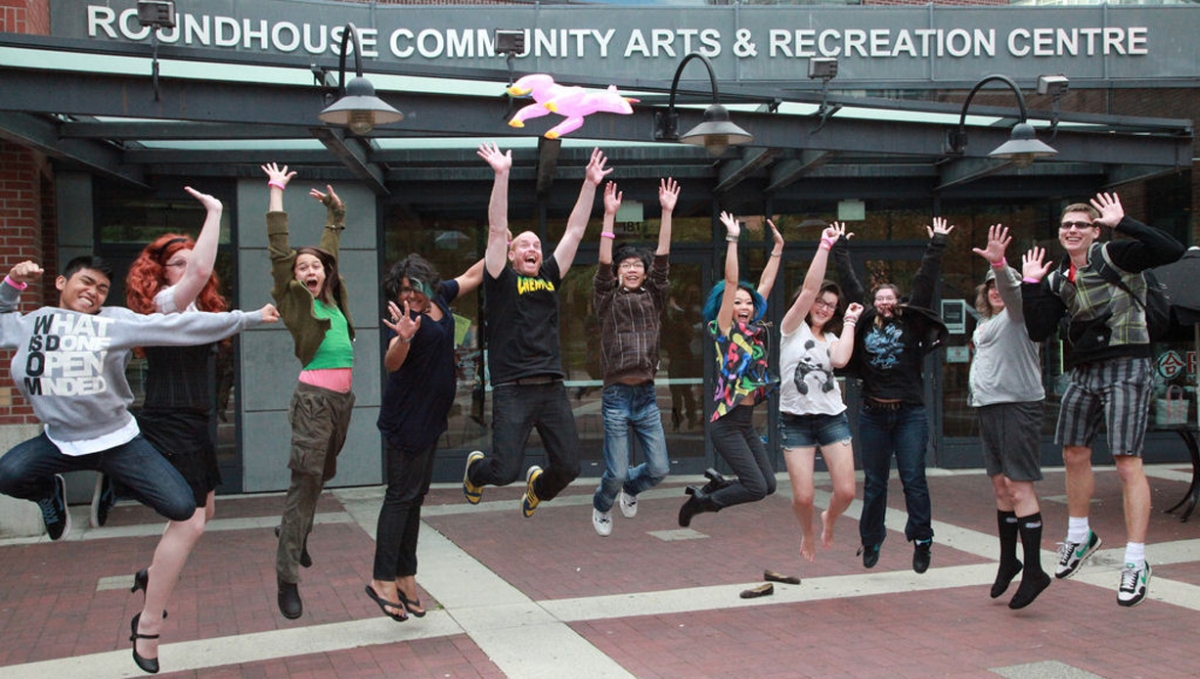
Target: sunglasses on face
1077,225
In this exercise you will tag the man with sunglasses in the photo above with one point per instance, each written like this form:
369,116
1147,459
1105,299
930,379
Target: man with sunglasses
1110,367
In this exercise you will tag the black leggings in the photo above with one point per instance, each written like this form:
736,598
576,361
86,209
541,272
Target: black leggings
738,443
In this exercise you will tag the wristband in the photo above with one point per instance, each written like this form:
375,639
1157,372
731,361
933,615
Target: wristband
999,264
776,254
607,234
730,238
826,244
1029,279
274,183
850,321
405,340
16,284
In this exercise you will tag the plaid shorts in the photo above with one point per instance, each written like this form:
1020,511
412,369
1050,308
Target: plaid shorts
1117,390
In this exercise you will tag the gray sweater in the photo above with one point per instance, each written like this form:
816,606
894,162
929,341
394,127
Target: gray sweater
1006,368
71,366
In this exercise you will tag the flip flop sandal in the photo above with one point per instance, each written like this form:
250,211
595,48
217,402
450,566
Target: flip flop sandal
411,602
755,592
384,603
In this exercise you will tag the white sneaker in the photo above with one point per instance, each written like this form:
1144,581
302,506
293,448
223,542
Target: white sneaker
1135,582
628,504
602,522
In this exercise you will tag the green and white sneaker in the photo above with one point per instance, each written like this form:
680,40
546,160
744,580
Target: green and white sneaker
1072,554
1135,583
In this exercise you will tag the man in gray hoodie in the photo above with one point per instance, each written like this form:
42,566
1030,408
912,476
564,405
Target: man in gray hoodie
70,365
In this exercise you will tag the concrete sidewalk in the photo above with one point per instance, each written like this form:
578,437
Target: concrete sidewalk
547,597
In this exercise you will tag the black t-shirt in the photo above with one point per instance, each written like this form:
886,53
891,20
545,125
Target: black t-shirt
522,323
418,396
892,359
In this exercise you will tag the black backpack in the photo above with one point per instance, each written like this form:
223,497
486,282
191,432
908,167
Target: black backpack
1157,304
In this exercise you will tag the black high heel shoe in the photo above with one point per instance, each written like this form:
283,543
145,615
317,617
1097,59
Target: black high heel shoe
149,665
141,580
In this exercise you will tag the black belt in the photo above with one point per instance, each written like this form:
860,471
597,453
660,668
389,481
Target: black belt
875,404
527,381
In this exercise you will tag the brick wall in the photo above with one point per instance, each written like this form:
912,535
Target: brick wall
24,181
25,16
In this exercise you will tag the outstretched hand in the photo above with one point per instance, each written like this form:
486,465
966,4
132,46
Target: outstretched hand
596,172
329,199
939,227
998,240
1109,207
276,174
612,198
836,230
778,237
402,322
25,272
1032,266
668,193
210,204
499,161
732,228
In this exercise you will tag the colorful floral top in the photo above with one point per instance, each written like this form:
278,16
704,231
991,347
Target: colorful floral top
741,365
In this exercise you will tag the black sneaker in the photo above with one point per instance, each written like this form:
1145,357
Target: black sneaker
870,555
921,549
103,498
54,510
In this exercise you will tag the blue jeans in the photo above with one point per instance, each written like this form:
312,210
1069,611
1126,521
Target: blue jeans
27,472
629,407
882,433
516,411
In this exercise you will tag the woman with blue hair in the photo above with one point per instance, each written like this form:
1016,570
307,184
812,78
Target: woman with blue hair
732,315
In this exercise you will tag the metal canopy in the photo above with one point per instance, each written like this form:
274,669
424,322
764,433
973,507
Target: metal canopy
111,124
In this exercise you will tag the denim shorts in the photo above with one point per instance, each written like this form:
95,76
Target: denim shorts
811,431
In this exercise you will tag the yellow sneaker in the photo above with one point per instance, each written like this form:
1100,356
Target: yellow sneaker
529,501
472,492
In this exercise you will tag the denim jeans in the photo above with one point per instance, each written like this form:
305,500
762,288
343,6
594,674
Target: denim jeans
882,433
409,472
27,472
516,410
738,443
627,407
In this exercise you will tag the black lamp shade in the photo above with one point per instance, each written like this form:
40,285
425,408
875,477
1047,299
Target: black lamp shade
1023,147
717,133
360,109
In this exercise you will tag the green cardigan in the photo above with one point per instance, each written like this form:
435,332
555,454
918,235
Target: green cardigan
294,301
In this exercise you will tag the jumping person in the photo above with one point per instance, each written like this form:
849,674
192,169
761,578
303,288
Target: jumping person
891,341
1006,391
1110,367
420,390
817,338
733,315
314,305
70,365
175,275
524,353
630,293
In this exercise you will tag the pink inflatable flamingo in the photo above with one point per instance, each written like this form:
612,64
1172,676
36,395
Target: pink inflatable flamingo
573,103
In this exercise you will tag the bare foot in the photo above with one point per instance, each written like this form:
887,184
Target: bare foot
826,530
808,550
407,589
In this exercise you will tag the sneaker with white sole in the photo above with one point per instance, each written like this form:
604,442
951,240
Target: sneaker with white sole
55,514
1071,555
628,504
602,522
104,496
530,501
1135,583
472,492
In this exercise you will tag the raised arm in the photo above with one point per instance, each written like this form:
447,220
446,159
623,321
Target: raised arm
1146,248
767,280
281,253
405,327
843,350
612,203
668,195
925,281
725,313
595,173
470,280
496,256
18,278
1042,308
277,181
1008,284
204,254
335,219
812,280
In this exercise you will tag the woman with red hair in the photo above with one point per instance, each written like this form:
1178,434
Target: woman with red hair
175,275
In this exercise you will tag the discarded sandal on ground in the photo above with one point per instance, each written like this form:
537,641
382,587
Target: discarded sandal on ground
384,604
772,576
755,592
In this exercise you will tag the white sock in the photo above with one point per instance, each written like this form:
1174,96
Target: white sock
1077,528
1135,554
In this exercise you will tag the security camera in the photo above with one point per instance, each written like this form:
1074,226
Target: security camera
1053,85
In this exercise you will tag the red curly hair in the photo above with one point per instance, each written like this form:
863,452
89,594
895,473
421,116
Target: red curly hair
147,277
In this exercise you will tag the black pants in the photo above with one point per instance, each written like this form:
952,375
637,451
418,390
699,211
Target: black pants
409,472
739,444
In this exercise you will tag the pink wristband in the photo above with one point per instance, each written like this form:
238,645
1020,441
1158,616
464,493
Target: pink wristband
607,234
826,244
276,184
15,284
1027,279
999,264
